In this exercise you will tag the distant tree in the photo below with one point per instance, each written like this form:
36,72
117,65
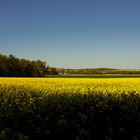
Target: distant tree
40,67
12,66
52,71
3,65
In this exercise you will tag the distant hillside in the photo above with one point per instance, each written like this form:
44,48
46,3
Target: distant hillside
101,71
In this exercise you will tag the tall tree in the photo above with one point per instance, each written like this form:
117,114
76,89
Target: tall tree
12,66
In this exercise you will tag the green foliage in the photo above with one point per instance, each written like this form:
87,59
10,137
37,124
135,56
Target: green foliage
8,135
15,67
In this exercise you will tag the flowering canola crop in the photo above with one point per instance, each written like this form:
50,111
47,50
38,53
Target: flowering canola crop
69,108
74,85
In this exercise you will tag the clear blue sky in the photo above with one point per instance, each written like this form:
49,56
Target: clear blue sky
72,33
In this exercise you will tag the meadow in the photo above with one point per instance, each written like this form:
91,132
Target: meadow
70,108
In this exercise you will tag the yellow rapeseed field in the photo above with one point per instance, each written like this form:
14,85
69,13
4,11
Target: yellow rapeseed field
75,85
69,108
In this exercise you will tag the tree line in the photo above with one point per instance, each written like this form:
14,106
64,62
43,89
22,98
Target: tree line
11,66
101,71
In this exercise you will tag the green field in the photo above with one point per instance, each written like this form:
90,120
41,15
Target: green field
95,76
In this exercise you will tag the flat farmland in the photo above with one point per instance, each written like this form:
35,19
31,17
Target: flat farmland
70,108
74,85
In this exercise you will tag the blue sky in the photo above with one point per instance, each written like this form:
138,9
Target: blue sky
72,33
